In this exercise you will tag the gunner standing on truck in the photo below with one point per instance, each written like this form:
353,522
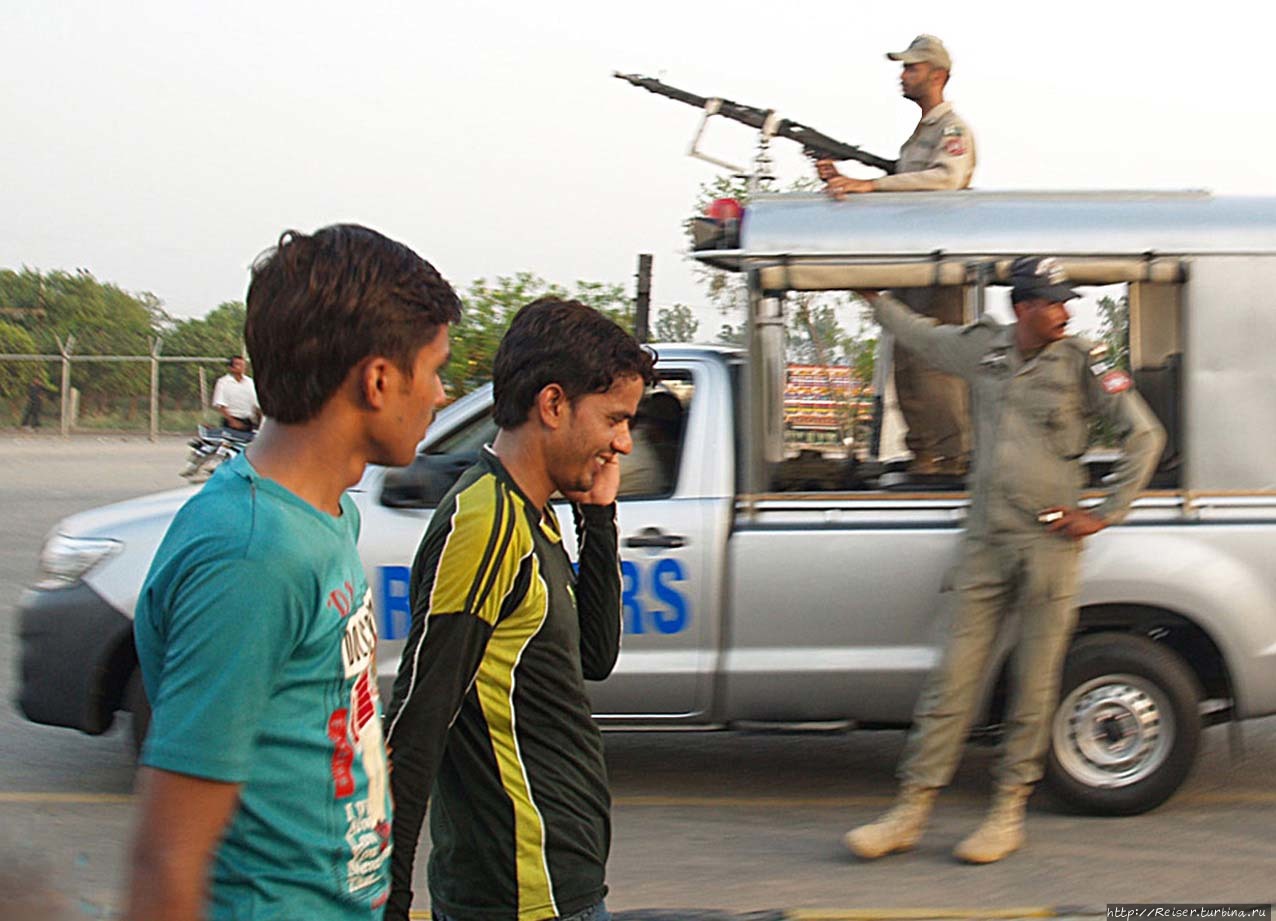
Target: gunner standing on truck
1036,390
939,156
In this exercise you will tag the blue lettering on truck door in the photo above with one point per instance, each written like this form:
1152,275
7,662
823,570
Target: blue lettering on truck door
670,612
396,609
653,598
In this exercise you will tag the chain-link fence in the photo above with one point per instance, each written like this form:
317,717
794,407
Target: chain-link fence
110,393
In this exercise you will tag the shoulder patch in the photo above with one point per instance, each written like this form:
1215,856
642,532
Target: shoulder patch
953,139
1116,381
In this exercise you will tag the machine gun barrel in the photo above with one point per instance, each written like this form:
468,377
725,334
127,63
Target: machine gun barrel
816,144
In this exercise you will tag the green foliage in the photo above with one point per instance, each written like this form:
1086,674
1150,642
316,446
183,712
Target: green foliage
676,324
860,347
15,340
1114,332
604,297
16,375
22,294
813,333
104,319
220,334
724,290
1114,328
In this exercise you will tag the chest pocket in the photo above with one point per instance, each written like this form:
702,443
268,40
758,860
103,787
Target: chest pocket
1054,410
918,153
989,384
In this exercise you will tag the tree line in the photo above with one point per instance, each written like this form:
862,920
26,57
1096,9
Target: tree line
40,311
45,311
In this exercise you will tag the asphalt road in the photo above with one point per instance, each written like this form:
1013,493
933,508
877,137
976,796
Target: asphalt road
740,822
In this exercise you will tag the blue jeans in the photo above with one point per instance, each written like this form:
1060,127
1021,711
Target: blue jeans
597,912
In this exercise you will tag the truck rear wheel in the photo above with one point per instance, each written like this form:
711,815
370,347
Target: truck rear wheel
1127,728
135,701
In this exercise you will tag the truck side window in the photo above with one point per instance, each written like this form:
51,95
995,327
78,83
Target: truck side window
650,470
827,418
1141,325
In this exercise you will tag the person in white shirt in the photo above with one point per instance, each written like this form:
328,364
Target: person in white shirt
235,397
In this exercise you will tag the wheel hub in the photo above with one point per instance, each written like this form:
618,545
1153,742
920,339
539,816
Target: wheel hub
1113,731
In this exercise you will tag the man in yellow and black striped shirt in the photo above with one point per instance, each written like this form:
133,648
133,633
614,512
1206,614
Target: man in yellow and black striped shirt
490,723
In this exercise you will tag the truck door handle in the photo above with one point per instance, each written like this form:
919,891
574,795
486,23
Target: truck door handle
654,537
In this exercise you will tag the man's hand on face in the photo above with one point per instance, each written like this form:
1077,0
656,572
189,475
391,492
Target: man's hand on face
606,485
841,186
1074,522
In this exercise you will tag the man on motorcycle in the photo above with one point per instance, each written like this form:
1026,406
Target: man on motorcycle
235,397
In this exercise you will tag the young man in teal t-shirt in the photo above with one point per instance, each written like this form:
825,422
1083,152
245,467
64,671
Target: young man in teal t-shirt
264,792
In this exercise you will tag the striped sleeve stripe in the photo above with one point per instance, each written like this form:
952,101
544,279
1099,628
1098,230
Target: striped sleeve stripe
497,678
468,565
505,566
499,517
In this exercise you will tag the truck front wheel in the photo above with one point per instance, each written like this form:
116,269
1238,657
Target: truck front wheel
1128,724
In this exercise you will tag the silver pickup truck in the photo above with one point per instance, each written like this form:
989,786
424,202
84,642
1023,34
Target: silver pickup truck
765,585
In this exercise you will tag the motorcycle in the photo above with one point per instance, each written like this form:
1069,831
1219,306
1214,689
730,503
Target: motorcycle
212,446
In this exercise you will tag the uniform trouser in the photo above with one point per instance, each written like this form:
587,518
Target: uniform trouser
1034,576
935,405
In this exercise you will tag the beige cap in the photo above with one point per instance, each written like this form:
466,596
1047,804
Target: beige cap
925,48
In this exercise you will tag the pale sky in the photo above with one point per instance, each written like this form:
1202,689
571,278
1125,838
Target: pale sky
162,145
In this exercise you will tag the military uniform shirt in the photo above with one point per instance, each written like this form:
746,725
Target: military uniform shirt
1032,418
939,156
503,636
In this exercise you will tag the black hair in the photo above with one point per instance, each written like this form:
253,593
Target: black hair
553,341
319,304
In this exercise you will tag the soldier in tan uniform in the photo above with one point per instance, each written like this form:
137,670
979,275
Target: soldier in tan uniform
940,155
1035,391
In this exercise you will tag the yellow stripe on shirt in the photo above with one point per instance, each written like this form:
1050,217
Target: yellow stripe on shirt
472,575
495,688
